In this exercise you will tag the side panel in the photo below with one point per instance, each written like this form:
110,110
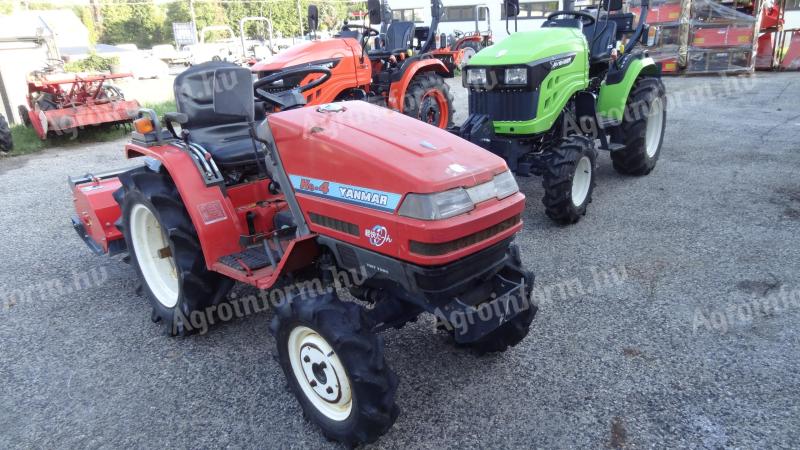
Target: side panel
212,214
398,90
613,97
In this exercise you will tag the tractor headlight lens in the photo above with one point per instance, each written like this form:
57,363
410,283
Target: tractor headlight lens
505,185
441,205
517,75
476,76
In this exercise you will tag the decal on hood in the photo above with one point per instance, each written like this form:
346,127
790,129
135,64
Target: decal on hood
356,195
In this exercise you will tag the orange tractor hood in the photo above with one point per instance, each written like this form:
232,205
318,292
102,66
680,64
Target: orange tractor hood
310,52
360,144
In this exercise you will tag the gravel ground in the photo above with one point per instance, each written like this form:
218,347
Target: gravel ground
691,344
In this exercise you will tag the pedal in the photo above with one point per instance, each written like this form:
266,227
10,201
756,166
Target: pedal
612,147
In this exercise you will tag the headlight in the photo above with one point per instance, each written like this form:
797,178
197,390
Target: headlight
517,75
476,76
436,206
505,185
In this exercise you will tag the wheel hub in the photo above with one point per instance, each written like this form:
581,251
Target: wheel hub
154,255
431,110
655,123
320,373
581,181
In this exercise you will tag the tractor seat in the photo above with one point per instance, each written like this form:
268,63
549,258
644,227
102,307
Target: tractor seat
603,42
227,138
399,38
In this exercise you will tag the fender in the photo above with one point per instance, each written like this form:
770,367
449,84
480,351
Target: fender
217,224
616,88
407,72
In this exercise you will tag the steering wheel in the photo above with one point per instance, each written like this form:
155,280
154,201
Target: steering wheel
280,100
370,32
458,33
585,18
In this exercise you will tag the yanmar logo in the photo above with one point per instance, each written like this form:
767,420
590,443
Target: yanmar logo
364,196
356,195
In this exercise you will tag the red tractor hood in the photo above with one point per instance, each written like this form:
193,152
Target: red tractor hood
309,52
377,149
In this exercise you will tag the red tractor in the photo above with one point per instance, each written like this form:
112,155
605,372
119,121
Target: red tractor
397,74
464,45
290,204
60,103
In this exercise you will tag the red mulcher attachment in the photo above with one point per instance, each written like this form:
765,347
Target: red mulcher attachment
63,102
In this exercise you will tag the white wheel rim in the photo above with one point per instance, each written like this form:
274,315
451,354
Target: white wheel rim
320,373
152,255
655,122
582,181
468,53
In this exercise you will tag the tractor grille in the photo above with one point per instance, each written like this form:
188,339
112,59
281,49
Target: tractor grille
443,248
334,224
504,104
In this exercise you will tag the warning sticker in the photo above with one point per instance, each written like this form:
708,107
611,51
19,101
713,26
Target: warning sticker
212,212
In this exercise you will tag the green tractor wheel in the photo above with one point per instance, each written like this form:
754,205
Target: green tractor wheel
568,179
642,128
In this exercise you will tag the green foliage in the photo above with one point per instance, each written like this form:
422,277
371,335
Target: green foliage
150,23
94,63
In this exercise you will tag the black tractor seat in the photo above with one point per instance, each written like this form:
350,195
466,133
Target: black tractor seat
600,44
226,138
399,38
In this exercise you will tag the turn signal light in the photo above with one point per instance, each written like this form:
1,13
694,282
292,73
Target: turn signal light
143,125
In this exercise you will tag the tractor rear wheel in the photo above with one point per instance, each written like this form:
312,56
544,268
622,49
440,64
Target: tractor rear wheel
470,48
568,179
6,142
428,99
642,128
165,251
335,367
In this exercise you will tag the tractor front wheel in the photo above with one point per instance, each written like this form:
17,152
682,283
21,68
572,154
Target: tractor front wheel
469,49
335,367
428,99
569,179
642,128
6,142
165,251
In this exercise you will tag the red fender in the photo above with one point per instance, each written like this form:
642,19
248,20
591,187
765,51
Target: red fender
397,91
217,224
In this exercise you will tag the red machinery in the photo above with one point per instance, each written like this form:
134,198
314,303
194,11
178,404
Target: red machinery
466,45
397,75
306,198
63,102
778,48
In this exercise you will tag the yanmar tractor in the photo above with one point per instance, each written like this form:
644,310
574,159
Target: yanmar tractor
398,73
423,217
547,100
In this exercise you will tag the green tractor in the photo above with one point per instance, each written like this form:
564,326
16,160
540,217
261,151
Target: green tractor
547,100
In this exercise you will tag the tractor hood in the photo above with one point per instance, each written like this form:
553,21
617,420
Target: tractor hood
312,52
359,144
524,47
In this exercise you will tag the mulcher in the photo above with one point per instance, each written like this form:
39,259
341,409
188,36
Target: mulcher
547,100
423,217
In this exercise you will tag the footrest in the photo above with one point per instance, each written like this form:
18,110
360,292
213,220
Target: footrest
613,147
253,258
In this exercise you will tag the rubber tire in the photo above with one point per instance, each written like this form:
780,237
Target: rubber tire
24,116
560,165
420,84
633,159
373,383
199,288
6,140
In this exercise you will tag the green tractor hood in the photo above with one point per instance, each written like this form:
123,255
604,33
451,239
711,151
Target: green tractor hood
527,46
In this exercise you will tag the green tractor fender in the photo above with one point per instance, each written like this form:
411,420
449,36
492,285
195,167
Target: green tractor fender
614,91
